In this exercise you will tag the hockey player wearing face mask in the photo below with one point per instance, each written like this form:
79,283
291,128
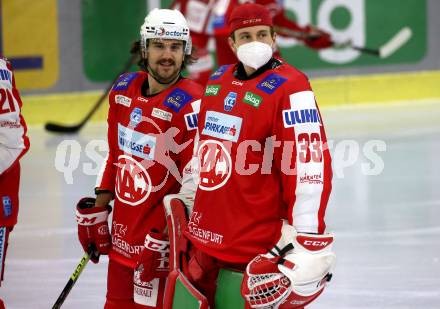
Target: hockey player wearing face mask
265,175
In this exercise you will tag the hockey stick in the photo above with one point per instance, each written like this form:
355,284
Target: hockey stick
386,50
60,128
78,269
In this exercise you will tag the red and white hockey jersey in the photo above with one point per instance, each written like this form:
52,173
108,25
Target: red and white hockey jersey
150,142
262,158
13,140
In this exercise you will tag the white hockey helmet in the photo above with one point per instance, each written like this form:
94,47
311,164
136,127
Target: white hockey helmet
165,24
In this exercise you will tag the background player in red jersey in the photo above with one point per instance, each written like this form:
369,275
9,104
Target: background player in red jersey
200,13
13,145
152,122
265,175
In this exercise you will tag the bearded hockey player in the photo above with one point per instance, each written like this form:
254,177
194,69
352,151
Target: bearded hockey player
151,127
14,143
265,176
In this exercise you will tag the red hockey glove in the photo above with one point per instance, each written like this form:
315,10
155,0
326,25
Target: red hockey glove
317,38
153,264
93,227
263,284
154,259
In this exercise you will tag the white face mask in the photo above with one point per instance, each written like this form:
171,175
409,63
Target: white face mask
254,54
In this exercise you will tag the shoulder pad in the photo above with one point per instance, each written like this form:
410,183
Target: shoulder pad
271,83
177,99
220,71
124,81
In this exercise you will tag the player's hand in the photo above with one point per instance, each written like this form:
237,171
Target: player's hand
93,229
294,272
316,38
153,264
154,259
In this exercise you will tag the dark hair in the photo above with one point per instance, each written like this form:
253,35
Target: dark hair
136,49
232,35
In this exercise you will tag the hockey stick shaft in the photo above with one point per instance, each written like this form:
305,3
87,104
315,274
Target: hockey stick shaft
394,44
78,269
59,128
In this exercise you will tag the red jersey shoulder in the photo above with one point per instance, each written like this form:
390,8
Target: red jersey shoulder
296,80
219,73
182,95
193,88
121,90
127,80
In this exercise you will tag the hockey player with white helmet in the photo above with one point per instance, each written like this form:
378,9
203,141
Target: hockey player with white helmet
151,129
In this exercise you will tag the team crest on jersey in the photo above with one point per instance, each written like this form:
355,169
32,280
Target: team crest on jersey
191,120
215,165
133,183
124,81
223,126
229,101
177,99
135,117
7,206
220,71
271,83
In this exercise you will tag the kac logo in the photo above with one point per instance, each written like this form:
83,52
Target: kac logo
230,100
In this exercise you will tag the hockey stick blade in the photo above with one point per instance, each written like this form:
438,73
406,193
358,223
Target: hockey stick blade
400,39
59,128
69,285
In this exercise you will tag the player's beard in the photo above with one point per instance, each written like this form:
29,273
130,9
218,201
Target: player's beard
163,76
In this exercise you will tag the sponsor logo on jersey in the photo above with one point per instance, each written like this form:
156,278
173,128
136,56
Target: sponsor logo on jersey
222,126
161,114
191,121
271,83
135,117
124,81
252,99
220,71
133,183
202,235
177,99
6,75
212,90
313,179
7,206
294,117
123,100
135,143
229,101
